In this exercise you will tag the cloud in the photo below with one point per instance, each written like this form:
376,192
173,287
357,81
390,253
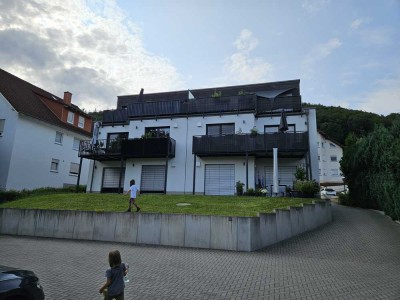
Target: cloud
387,92
313,6
319,53
96,54
246,41
241,67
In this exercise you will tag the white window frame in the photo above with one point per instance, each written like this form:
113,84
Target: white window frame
55,164
61,138
75,145
81,122
74,169
70,118
335,172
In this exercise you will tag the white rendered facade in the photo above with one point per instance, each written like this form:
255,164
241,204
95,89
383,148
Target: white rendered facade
186,172
27,148
329,155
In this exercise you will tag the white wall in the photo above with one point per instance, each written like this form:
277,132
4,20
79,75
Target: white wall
8,113
313,138
34,148
182,130
325,151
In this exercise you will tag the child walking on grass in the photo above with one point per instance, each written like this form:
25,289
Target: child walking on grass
134,193
114,286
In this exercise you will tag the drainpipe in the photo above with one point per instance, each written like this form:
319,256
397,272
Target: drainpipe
79,175
275,172
91,179
194,174
309,173
247,171
120,175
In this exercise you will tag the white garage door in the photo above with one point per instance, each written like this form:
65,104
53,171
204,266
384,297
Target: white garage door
153,178
111,179
220,180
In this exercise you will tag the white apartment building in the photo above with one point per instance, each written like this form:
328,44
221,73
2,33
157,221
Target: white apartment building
204,141
329,155
40,135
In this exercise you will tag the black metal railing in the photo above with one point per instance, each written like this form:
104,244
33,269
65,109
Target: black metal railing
127,148
252,103
149,147
240,144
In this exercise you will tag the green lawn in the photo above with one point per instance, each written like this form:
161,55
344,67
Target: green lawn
154,203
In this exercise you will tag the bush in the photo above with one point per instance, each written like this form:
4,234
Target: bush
12,195
344,199
254,192
9,195
239,188
308,188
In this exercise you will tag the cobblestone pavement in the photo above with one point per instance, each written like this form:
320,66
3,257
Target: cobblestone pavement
357,256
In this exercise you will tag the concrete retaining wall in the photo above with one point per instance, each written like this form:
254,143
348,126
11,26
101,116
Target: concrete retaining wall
211,232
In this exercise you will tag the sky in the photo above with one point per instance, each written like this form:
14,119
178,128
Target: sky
345,52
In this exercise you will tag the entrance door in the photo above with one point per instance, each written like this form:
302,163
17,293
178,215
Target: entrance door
219,180
153,179
110,182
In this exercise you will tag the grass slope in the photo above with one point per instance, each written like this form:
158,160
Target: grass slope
155,203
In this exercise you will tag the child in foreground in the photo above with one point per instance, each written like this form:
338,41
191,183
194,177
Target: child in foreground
114,286
134,193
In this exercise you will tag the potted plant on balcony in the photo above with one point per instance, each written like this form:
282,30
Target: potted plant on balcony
254,131
216,94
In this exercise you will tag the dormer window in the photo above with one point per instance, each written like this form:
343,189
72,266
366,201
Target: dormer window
81,122
70,119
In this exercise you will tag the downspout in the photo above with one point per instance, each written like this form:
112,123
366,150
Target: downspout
79,175
194,174
120,175
91,179
309,173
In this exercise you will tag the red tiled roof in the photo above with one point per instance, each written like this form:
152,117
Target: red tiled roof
24,97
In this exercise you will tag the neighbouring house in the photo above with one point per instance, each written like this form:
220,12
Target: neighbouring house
40,135
203,141
330,153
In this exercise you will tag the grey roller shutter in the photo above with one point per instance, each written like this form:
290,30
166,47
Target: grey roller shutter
220,180
111,177
153,178
286,175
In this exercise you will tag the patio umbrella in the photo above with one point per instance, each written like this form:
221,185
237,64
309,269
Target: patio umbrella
283,126
95,133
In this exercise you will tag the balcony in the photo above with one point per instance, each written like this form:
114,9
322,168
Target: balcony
203,106
156,147
288,144
108,150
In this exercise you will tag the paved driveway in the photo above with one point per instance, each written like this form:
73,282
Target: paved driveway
357,256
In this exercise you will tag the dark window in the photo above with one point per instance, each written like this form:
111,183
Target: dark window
156,132
114,140
220,129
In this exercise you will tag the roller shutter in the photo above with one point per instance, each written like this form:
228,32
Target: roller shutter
219,180
111,179
285,176
153,178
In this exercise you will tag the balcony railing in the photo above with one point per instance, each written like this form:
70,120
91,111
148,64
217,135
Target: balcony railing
149,147
236,104
240,144
128,148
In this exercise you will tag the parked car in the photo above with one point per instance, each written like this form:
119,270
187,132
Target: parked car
17,284
327,193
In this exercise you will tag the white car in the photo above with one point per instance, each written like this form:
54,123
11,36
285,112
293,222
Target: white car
327,193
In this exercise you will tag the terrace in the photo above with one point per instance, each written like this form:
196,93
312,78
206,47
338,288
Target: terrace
117,149
290,144
203,106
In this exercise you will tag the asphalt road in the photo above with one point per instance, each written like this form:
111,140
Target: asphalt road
357,256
